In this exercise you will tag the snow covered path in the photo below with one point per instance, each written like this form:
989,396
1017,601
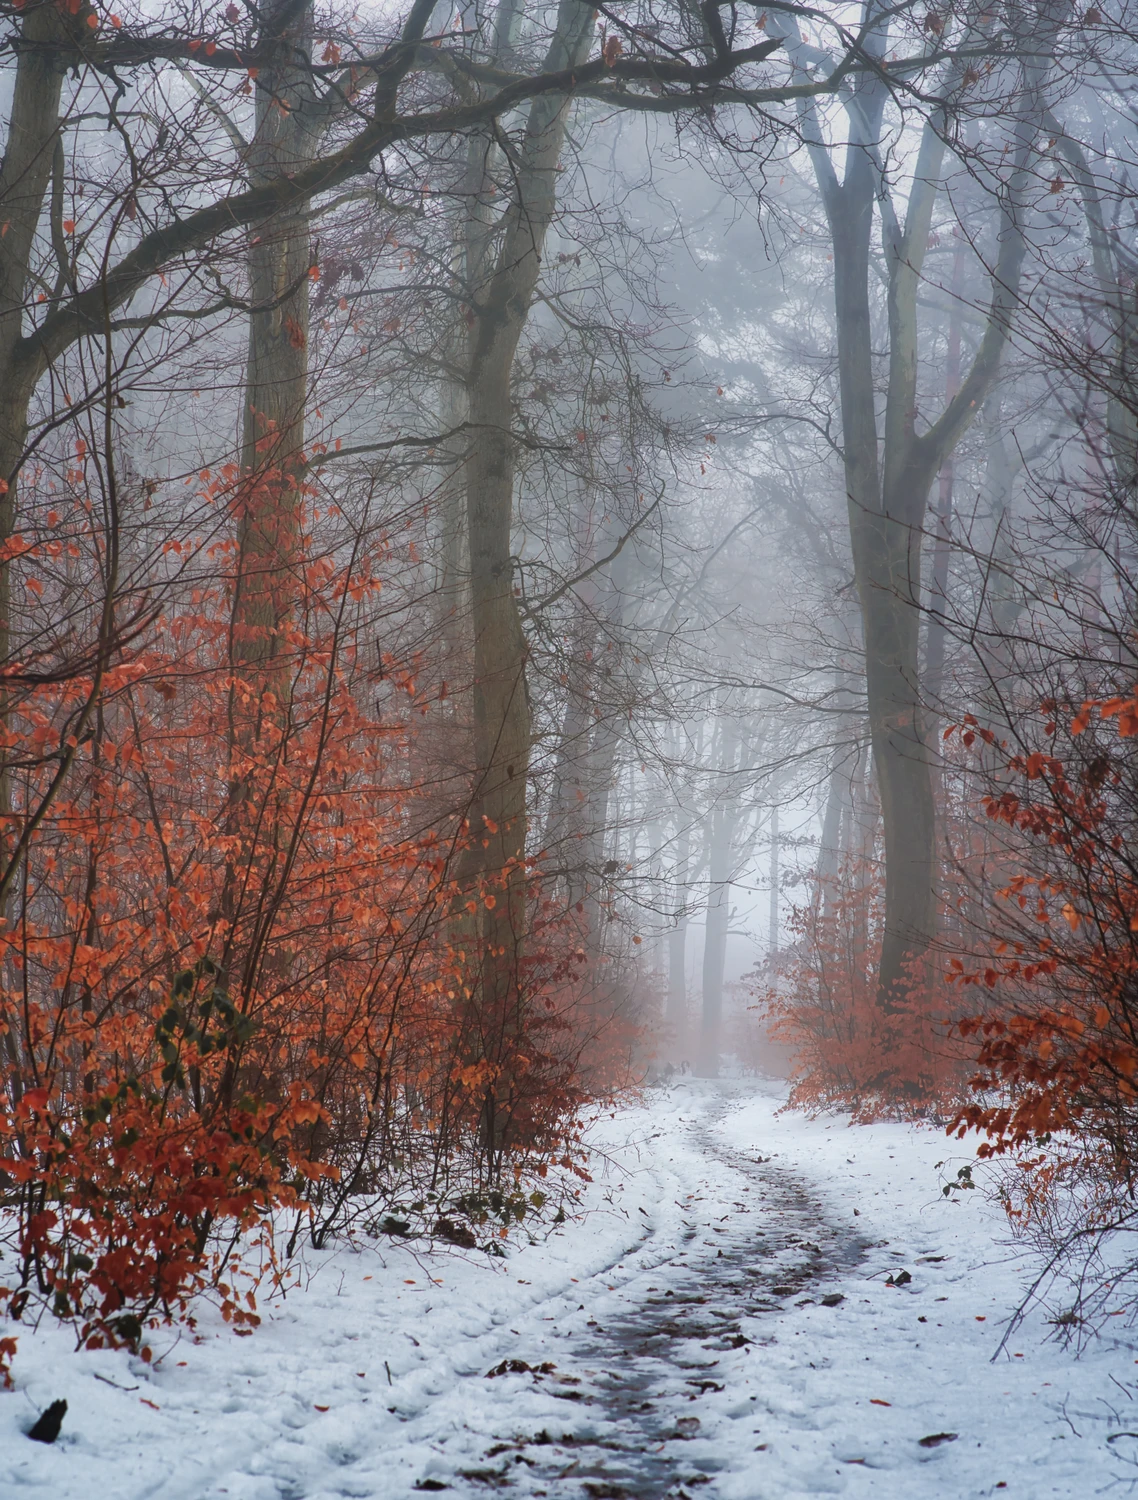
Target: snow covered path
719,1325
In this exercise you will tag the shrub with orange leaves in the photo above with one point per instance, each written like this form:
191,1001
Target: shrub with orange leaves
848,1051
1056,1091
230,980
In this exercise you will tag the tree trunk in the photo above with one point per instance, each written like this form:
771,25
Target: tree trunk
33,158
716,921
773,926
276,379
677,1011
29,152
839,794
936,632
723,823
885,521
838,801
570,794
1114,275
493,866
903,764
452,591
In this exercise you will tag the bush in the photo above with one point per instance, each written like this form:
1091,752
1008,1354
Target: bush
849,1051
233,981
1057,1081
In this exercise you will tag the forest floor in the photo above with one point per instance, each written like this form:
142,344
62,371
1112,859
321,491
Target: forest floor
719,1323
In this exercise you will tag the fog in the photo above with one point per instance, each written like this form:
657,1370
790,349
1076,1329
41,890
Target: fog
540,547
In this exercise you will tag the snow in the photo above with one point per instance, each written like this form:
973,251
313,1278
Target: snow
370,1378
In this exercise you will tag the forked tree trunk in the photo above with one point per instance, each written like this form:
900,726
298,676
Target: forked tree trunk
889,471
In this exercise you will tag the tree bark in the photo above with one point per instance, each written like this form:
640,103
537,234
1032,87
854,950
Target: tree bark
1120,310
717,916
33,134
836,813
276,379
32,155
677,1011
723,821
936,632
493,867
773,932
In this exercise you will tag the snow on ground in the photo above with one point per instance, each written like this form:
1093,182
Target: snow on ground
369,1380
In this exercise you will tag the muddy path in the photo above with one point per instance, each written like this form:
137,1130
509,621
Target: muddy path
638,1380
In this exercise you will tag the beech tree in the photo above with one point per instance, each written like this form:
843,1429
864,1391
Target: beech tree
891,457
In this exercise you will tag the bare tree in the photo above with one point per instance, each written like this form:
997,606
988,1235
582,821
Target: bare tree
890,464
